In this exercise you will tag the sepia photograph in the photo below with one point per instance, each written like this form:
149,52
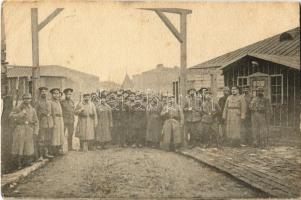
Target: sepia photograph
150,99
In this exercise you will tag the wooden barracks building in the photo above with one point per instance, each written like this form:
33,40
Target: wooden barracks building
273,63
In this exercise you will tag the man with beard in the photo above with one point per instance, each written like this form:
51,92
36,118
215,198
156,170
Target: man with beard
26,125
44,113
68,115
87,122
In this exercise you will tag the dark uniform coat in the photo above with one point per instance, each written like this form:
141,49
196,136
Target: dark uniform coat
260,114
68,111
154,123
105,123
44,112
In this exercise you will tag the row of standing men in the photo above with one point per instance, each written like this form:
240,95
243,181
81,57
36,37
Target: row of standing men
136,119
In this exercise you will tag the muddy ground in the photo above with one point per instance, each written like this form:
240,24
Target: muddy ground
128,173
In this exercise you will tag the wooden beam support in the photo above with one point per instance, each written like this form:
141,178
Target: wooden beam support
49,18
170,26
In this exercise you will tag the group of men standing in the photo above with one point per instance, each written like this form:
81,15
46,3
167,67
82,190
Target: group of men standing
137,119
39,130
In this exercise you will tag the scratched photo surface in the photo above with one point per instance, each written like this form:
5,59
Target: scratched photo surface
150,100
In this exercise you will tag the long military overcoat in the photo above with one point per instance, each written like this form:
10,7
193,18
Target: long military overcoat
26,124
105,123
154,123
87,121
234,112
171,132
58,123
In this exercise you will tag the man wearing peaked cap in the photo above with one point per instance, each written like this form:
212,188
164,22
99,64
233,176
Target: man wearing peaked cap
53,90
67,90
44,113
43,88
58,123
68,115
192,113
190,90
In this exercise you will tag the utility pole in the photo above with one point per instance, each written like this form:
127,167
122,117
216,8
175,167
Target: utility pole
181,36
35,28
4,81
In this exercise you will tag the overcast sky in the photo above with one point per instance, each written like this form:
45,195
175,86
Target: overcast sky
106,39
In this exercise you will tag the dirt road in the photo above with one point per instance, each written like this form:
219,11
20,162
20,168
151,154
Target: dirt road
129,173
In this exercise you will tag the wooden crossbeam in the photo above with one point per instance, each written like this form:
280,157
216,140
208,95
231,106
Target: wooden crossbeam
49,18
170,26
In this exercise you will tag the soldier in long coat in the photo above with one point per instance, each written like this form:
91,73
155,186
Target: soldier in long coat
137,112
105,123
58,137
192,113
261,110
116,105
234,113
247,135
221,103
26,126
171,137
87,121
154,123
210,120
44,112
68,115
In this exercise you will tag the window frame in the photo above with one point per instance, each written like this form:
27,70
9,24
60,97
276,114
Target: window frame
243,77
276,75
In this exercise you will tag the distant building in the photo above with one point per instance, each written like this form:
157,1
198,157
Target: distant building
19,78
272,63
127,83
205,76
109,85
157,80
